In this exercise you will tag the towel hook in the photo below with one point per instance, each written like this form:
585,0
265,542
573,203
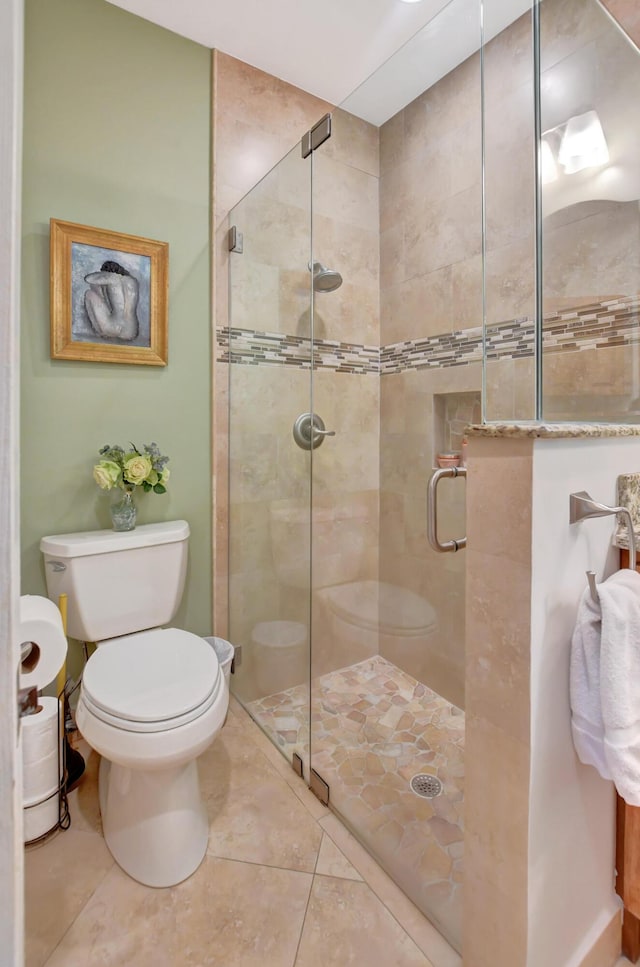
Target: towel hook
581,507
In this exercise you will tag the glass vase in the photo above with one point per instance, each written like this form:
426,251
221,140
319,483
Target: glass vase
123,510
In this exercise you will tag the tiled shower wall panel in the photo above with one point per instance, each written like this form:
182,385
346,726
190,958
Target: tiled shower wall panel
627,13
406,558
431,284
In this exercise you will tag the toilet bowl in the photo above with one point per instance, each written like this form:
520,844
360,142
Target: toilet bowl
151,700
374,617
281,655
150,704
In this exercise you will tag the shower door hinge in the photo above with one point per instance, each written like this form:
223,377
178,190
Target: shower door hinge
236,239
318,134
319,787
297,765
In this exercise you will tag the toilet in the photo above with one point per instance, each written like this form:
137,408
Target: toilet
280,654
367,618
355,617
375,615
153,698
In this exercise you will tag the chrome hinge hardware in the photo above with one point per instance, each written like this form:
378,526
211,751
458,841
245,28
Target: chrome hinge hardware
318,134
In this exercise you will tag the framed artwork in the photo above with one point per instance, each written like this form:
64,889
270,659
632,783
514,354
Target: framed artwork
108,296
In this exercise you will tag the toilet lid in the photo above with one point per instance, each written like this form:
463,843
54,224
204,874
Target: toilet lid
383,607
151,677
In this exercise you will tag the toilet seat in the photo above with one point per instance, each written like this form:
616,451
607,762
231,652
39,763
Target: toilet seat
381,607
153,681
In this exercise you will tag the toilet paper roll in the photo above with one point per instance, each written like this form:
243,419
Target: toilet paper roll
41,735
41,623
39,819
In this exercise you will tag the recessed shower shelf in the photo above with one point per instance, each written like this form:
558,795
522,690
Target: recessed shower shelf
452,412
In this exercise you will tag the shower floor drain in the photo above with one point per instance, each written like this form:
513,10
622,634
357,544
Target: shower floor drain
426,786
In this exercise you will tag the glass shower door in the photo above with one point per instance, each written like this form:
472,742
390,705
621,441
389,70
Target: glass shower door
269,475
397,375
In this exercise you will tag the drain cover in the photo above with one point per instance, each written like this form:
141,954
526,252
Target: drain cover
426,785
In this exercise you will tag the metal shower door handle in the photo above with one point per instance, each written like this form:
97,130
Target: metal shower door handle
432,511
309,431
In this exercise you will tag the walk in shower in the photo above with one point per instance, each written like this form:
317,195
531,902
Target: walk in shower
409,275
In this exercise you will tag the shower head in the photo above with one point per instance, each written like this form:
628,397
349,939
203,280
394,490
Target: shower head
324,279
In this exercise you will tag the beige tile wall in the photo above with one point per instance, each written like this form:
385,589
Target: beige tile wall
430,198
498,615
430,283
407,452
627,13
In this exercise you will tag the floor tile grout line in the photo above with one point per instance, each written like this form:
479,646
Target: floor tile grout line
80,912
253,725
384,904
269,731
306,909
270,866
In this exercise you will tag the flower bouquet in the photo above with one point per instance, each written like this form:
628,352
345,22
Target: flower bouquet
125,470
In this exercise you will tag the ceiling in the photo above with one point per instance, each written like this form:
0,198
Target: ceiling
326,48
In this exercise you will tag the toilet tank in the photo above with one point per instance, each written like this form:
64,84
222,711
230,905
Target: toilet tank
117,582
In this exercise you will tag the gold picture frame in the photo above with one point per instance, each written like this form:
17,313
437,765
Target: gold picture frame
109,296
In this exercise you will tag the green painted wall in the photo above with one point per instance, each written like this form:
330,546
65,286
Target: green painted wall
117,136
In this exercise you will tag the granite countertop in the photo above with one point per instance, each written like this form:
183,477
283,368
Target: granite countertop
547,431
628,494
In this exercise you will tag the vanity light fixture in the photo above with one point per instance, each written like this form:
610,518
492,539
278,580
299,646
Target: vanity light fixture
583,143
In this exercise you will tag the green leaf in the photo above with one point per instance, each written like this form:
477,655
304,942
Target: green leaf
159,489
146,486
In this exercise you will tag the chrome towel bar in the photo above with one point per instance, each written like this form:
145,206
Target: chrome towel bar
581,507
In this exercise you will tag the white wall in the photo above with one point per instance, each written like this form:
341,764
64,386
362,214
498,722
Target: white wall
572,810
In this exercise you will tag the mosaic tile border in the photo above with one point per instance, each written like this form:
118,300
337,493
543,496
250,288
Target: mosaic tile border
254,348
449,349
599,325
595,326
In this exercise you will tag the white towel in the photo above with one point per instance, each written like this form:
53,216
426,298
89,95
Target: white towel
587,726
620,680
605,682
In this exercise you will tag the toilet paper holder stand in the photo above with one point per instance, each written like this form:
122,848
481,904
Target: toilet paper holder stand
28,705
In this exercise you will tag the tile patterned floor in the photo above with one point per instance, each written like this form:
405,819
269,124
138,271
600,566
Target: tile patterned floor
374,727
283,883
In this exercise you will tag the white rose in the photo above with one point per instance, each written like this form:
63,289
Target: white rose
137,468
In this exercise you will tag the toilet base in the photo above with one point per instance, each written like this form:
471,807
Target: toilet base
155,823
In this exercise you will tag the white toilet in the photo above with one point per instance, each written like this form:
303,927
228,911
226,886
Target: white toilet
358,618
152,698
377,616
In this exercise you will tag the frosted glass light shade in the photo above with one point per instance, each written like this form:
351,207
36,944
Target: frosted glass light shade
548,166
583,143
